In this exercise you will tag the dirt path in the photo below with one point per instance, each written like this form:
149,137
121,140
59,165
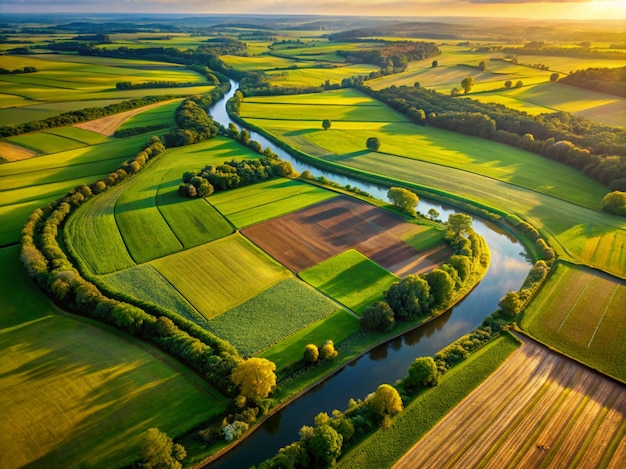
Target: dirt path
537,410
109,124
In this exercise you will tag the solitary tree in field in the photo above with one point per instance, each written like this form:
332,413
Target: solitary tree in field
554,77
256,377
403,199
326,123
159,451
508,84
519,84
435,63
373,143
467,84
482,65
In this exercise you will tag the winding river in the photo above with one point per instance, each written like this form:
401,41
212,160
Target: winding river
388,362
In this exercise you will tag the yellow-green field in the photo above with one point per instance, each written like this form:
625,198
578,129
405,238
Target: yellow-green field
581,312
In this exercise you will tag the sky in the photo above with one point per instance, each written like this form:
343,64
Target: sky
548,9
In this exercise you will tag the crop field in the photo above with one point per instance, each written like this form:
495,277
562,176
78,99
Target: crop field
31,183
44,142
211,277
145,283
259,202
544,411
336,327
9,152
314,234
271,316
158,115
316,76
101,390
581,311
351,279
262,62
27,112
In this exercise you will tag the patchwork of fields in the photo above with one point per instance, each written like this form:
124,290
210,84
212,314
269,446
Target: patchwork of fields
545,411
493,174
581,311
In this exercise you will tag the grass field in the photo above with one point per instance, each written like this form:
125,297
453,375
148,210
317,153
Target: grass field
384,447
212,276
31,183
181,222
336,327
265,200
581,312
271,316
160,115
351,279
545,411
73,394
490,173
62,81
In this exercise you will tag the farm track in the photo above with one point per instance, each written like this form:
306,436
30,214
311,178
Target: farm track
538,410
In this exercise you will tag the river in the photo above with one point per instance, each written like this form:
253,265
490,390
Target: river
388,362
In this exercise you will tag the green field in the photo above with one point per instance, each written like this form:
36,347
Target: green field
74,394
581,312
159,115
31,183
180,222
259,202
62,81
145,283
384,447
493,174
271,316
351,279
217,276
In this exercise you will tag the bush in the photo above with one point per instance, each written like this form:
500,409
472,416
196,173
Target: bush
311,353
379,317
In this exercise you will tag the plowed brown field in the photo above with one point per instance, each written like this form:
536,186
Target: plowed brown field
314,234
538,410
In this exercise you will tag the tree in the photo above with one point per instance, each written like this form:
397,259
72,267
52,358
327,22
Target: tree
373,143
325,446
326,123
385,401
256,377
403,199
482,65
433,214
510,304
459,224
508,84
615,202
455,91
159,451
519,84
409,298
311,353
423,372
467,84
441,286
379,317
554,77
435,64
328,351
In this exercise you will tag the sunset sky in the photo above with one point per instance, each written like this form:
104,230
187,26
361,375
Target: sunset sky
554,9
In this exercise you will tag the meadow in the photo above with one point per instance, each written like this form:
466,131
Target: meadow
580,311
211,277
351,279
86,393
493,174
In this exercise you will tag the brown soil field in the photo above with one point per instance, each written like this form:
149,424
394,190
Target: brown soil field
538,410
109,124
309,236
10,152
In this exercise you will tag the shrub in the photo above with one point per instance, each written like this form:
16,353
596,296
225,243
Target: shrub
311,353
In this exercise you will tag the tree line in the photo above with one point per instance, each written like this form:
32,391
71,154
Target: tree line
392,57
603,80
598,150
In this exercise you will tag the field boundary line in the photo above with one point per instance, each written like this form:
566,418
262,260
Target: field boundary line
576,302
603,313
